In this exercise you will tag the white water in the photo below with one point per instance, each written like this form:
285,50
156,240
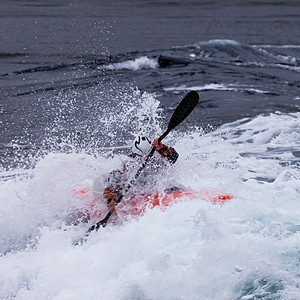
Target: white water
246,249
218,87
142,62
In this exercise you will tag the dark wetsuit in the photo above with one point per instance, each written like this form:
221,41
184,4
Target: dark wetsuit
118,180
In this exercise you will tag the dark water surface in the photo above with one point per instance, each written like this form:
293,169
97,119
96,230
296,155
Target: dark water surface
63,62
39,32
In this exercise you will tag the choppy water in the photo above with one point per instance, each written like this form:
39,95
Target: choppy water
79,80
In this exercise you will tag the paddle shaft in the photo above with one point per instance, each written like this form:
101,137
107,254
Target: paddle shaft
139,171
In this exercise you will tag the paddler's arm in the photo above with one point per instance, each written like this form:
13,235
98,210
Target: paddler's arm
166,151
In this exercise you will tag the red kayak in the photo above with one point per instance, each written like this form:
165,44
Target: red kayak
138,205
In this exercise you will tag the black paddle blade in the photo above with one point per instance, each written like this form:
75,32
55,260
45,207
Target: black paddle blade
184,108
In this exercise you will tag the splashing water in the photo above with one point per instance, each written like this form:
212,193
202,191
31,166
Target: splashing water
246,249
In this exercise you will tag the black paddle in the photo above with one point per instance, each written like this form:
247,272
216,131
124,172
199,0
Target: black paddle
184,108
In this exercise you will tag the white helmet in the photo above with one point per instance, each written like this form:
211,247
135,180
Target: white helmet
141,145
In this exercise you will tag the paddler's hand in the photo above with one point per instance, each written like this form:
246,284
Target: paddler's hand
112,206
157,145
110,196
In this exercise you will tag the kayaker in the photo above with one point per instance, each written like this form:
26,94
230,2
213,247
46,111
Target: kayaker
118,180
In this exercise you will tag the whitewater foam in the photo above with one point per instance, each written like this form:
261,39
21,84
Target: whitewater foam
217,87
246,248
143,62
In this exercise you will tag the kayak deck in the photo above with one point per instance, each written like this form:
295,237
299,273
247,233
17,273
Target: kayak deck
137,206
